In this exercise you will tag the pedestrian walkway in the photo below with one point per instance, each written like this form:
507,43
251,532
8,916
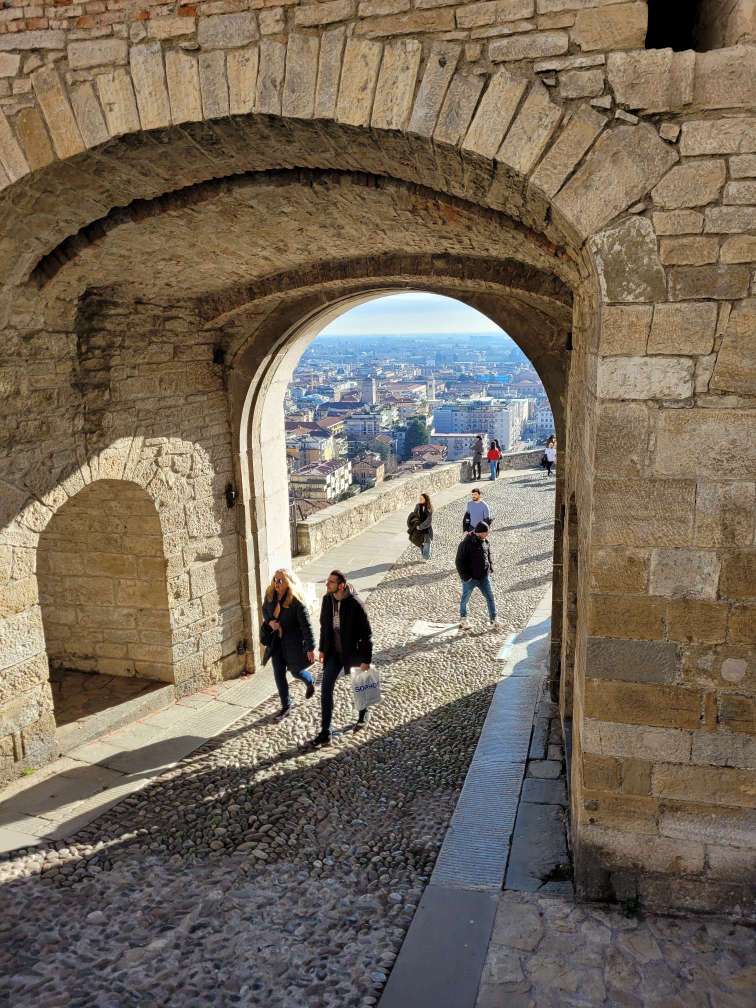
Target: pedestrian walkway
259,872
54,802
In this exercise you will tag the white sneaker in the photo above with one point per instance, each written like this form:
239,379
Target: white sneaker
495,625
464,623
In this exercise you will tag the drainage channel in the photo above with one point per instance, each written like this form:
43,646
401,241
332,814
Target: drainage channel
441,960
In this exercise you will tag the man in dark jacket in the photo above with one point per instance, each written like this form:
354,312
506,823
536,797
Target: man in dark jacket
346,641
474,566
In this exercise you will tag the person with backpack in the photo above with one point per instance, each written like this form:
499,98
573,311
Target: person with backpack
477,511
475,566
493,456
346,641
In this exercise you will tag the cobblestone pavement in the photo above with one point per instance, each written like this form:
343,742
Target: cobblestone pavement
257,873
545,952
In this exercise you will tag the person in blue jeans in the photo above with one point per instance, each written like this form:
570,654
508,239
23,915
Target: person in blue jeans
475,566
288,633
346,641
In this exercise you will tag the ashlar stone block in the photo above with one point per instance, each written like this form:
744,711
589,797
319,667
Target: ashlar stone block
570,146
718,136
439,70
660,745
621,26
735,368
628,262
118,102
685,573
531,45
457,109
531,131
396,84
689,251
725,78
329,72
622,436
362,60
717,281
645,378
57,111
495,113
651,80
725,513
683,328
650,661
703,443
223,31
691,184
623,166
182,76
241,69
644,512
301,76
148,76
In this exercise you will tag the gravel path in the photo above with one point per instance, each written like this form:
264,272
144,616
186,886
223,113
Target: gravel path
256,873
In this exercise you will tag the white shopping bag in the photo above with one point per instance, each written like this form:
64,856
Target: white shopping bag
366,687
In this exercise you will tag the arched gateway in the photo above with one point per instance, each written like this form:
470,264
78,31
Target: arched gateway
174,225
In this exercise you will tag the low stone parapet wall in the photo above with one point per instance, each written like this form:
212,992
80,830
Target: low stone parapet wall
334,524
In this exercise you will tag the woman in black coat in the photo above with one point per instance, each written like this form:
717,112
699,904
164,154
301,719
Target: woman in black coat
422,524
287,631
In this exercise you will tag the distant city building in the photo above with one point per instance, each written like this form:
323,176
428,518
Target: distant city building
324,481
368,469
369,391
544,421
475,416
458,446
429,453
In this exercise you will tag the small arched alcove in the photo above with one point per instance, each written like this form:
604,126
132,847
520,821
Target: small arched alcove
102,586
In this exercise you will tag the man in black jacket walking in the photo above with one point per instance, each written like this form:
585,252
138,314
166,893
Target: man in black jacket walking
474,566
346,640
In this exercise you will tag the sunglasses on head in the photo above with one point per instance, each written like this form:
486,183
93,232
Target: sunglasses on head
279,580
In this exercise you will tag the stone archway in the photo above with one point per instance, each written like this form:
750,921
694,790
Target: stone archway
597,201
101,571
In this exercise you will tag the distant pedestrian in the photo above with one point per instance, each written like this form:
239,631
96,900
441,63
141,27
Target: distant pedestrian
477,456
346,641
287,631
477,511
493,456
498,461
475,566
550,454
424,525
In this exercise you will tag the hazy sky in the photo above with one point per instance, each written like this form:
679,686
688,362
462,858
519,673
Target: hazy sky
410,313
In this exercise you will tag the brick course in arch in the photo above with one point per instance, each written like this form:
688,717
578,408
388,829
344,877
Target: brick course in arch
654,217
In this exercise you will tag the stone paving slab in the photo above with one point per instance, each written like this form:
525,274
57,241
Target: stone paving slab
441,961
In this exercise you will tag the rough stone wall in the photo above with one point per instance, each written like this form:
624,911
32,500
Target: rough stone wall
102,586
648,197
334,524
726,23
124,394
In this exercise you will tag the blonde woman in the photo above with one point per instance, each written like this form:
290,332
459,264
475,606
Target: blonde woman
288,631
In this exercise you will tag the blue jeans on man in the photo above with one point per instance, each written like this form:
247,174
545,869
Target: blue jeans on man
485,587
332,669
279,674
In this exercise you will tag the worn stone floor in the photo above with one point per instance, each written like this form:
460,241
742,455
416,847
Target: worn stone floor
79,695
256,872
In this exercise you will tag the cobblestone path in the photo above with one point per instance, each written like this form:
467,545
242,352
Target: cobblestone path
255,873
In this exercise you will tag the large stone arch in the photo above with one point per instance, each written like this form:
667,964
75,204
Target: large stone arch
621,209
